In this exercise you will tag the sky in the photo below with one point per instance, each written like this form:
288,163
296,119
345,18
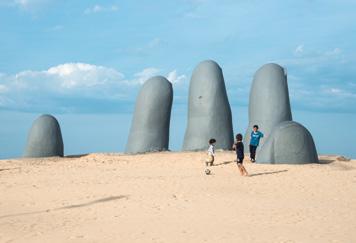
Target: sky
85,61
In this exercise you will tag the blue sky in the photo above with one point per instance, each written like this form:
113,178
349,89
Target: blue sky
84,61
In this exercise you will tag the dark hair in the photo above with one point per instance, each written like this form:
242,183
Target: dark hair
239,137
212,140
255,126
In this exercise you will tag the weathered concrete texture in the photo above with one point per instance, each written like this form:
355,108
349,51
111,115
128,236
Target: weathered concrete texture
289,143
45,138
269,100
209,113
150,125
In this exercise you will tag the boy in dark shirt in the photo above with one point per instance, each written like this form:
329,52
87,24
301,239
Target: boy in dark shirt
239,148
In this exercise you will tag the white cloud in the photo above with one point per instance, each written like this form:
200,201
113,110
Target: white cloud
299,50
66,80
23,3
337,92
352,84
144,49
154,43
28,5
3,88
141,77
99,8
196,2
56,28
335,51
174,78
321,79
74,75
56,87
311,59
195,9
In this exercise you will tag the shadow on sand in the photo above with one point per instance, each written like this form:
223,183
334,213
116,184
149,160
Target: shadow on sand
15,168
102,200
268,173
75,156
224,163
325,161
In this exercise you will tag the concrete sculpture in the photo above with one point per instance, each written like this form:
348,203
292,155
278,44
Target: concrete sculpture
209,113
45,138
289,143
150,125
269,100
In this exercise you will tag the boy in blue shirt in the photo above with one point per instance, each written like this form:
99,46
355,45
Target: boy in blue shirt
254,141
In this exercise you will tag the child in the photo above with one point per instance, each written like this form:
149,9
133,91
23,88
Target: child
239,148
254,142
211,153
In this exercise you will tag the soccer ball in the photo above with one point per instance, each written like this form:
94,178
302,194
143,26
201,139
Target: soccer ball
207,171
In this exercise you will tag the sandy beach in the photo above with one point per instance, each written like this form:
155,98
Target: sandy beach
166,197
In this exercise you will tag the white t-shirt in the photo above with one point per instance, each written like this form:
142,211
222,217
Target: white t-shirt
211,150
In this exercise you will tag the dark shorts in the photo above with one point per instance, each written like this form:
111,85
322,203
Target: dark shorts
240,160
253,151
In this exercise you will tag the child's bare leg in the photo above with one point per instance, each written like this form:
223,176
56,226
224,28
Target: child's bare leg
240,169
244,171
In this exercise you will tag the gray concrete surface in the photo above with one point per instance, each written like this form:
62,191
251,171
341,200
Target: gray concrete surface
289,143
44,138
209,113
150,124
269,101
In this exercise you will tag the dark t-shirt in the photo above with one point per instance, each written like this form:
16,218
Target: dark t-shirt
239,148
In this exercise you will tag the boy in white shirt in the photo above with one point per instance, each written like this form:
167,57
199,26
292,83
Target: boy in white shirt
211,152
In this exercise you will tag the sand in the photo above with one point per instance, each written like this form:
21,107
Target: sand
166,197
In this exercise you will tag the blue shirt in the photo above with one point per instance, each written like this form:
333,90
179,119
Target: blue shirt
255,138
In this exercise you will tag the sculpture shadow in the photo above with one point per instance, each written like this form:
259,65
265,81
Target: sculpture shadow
102,200
325,161
268,173
76,156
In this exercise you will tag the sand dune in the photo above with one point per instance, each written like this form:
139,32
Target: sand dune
166,197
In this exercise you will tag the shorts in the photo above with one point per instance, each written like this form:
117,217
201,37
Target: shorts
240,160
210,159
